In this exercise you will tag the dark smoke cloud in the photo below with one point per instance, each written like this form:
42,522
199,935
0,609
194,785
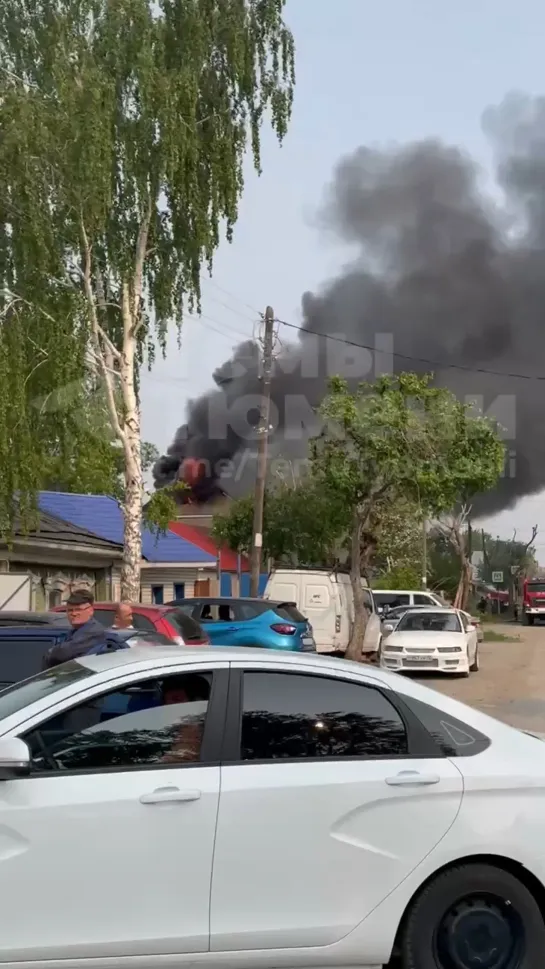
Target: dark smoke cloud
452,274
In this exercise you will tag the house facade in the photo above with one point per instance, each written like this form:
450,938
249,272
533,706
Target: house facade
172,567
59,557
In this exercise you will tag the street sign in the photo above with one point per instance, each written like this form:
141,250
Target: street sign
497,578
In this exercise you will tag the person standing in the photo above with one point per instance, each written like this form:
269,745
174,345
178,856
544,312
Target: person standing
87,633
123,616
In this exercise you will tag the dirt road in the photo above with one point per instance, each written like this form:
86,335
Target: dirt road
511,681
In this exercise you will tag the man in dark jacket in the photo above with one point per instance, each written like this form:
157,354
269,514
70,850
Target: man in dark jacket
86,634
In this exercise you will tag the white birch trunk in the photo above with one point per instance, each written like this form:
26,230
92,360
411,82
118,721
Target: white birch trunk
132,507
117,365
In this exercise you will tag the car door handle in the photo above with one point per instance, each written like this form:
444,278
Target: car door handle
411,778
163,794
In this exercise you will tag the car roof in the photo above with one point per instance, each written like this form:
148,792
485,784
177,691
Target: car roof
21,616
34,631
220,599
136,607
449,610
174,654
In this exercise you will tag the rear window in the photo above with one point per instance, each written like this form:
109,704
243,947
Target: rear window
185,626
289,611
453,737
391,599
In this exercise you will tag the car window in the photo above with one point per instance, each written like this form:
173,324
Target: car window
453,737
185,626
292,716
143,638
22,658
247,610
215,612
156,723
289,611
20,695
422,600
390,599
142,622
105,616
437,622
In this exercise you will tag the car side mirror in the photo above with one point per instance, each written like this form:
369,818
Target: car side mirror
388,628
15,758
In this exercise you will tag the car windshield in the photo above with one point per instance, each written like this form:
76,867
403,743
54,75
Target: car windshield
536,587
14,698
436,622
400,611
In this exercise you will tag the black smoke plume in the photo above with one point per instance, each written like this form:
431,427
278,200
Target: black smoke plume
445,270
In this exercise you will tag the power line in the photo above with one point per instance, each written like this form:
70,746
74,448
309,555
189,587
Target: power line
405,356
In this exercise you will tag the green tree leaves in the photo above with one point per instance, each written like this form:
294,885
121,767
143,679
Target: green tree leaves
125,125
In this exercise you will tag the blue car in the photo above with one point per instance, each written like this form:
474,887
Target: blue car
251,622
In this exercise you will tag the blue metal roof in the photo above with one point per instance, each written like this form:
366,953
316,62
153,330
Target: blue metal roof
102,516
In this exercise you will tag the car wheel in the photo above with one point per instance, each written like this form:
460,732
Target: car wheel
474,668
473,917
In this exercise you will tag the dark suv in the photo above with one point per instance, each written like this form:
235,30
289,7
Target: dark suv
23,648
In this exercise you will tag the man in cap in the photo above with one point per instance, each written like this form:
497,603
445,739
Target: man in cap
87,633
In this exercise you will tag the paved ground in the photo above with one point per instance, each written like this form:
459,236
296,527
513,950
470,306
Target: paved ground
511,682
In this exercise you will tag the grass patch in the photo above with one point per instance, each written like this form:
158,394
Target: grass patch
492,636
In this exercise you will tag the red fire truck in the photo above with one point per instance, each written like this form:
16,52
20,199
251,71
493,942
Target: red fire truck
533,600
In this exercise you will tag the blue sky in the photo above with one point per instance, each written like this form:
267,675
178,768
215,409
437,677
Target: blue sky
367,73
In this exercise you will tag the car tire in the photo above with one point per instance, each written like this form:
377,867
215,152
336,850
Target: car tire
474,668
444,918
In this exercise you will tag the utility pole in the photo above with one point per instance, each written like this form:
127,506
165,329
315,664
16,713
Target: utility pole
263,431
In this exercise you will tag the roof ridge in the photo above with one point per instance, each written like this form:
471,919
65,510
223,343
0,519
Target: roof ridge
78,494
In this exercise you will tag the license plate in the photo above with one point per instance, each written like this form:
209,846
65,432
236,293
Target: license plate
420,661
308,641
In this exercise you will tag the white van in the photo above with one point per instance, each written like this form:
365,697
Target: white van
391,598
325,599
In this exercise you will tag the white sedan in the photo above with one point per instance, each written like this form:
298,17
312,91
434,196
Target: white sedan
236,809
431,639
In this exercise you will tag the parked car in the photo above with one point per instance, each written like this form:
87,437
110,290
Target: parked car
288,777
251,622
23,648
171,622
325,598
431,639
388,599
391,619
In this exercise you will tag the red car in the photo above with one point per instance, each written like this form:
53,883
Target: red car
167,620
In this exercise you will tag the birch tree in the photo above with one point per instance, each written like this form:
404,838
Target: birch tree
124,130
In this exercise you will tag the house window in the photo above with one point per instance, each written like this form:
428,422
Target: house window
54,598
179,590
157,595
